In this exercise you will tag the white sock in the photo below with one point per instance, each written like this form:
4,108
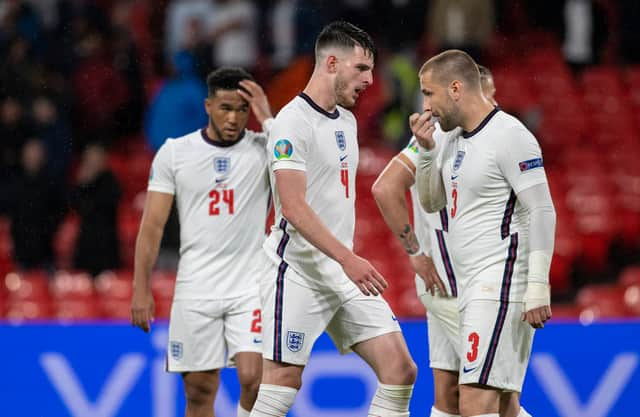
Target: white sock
523,413
273,401
437,413
242,412
391,401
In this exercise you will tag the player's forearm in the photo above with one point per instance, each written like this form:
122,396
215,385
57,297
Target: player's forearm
542,222
309,225
392,203
147,247
542,225
429,183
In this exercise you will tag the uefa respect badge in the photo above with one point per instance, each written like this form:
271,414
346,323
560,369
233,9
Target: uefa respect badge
283,149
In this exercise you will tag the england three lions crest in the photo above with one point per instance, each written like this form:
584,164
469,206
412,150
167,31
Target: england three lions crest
458,160
340,140
295,340
222,165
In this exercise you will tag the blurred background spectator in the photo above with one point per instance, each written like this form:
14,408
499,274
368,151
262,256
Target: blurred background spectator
127,74
95,198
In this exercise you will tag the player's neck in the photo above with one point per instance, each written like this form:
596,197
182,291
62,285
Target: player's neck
317,89
478,110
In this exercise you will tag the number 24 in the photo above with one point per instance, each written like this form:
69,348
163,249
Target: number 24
227,198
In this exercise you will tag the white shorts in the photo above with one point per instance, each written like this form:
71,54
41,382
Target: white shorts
295,316
443,331
496,344
206,334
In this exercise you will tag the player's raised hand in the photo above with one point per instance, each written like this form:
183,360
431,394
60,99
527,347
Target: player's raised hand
257,99
364,275
142,309
424,267
422,127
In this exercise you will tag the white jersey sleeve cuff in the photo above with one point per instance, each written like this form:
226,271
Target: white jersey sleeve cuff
299,166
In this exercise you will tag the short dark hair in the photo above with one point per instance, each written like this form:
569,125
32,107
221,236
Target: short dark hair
484,72
453,64
226,78
345,35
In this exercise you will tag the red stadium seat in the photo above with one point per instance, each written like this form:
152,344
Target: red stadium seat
563,312
77,309
21,310
602,301
115,286
630,276
116,309
163,284
69,286
28,285
632,299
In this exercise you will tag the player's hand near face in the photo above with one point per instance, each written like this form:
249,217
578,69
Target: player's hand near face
364,275
257,100
422,127
142,309
425,268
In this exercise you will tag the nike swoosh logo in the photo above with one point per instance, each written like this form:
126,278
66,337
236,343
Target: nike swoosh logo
257,340
342,158
453,177
466,371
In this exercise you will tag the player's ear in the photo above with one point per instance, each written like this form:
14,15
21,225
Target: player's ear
455,88
331,63
208,104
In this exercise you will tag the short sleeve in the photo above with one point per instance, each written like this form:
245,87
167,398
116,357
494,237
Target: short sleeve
520,159
289,141
161,176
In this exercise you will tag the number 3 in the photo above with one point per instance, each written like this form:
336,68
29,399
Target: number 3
474,338
454,206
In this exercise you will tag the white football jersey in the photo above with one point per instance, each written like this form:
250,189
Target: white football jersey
324,145
431,228
488,237
222,195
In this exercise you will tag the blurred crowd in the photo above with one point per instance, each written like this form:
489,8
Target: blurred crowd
84,80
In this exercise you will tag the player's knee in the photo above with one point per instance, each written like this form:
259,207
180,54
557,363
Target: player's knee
199,391
249,377
249,382
404,372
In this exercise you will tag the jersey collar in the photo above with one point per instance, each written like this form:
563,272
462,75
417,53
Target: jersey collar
219,144
482,124
334,115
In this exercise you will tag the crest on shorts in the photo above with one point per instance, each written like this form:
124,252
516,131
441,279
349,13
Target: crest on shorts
340,140
222,165
295,340
458,160
176,349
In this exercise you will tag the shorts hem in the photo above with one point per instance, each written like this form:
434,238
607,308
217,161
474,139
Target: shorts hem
181,369
363,338
443,366
503,387
297,363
